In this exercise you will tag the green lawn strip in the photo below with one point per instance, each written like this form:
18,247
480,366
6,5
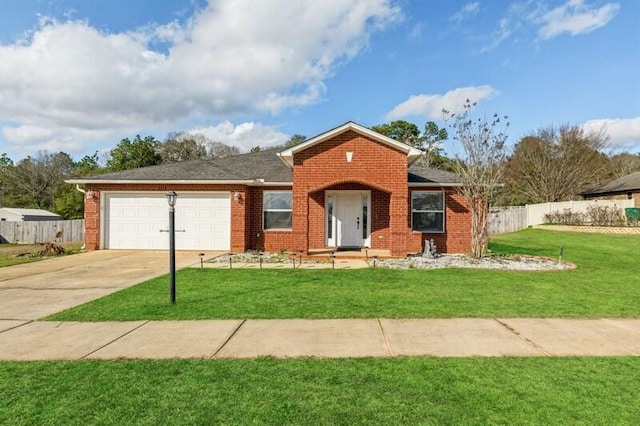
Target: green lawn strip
314,391
603,285
17,254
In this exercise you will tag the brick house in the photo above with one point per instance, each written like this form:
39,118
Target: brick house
349,187
624,188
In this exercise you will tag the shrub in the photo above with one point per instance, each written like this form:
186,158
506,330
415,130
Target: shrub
565,217
605,216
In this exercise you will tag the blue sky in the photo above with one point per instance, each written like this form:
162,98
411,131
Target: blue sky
78,76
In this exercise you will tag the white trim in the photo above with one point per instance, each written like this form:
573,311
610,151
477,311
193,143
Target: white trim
412,153
253,182
444,212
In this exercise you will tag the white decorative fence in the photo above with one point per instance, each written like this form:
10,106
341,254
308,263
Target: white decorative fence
511,219
42,231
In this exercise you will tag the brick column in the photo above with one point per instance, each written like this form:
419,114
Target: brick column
238,220
398,211
92,220
300,219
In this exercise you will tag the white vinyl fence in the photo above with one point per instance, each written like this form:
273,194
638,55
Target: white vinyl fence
536,212
41,231
510,219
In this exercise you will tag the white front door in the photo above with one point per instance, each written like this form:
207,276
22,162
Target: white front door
350,219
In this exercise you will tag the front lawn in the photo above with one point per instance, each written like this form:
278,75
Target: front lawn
323,391
605,284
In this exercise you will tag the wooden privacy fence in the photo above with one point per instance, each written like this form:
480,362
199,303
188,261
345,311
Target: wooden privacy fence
41,231
509,219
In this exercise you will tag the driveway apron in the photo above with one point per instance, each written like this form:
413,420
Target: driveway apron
34,290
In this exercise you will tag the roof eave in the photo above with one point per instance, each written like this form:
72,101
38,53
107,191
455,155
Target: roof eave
448,184
252,182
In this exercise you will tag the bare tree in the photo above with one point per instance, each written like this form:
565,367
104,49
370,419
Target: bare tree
623,164
480,168
555,164
219,150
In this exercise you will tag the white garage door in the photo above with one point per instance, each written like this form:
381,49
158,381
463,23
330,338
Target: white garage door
135,221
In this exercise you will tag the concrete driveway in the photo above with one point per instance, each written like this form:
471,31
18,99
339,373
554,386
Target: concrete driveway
35,290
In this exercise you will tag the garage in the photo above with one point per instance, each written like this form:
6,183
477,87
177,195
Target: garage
136,221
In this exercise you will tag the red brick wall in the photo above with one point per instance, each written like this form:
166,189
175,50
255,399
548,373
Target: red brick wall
324,166
457,235
259,239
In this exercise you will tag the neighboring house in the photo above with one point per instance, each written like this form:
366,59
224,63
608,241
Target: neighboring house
624,188
10,214
349,187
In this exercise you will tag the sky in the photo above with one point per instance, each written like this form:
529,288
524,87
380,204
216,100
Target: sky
78,76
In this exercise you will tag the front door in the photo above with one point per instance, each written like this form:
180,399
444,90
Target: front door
349,220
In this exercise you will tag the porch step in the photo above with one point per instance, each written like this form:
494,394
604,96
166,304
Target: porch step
356,254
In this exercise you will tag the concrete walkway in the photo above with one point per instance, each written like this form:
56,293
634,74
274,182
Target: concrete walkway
337,338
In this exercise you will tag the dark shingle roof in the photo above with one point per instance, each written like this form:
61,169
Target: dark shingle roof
254,165
263,164
626,183
419,174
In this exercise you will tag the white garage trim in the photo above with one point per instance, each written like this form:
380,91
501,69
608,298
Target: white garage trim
134,220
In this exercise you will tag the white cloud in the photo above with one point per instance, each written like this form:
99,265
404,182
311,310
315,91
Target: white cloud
244,135
72,79
431,106
467,11
500,34
622,132
574,17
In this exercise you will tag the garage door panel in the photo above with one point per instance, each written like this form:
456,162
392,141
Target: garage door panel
135,221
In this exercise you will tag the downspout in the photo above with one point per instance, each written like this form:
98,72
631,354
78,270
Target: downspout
83,192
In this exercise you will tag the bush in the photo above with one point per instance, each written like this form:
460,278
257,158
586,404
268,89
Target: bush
565,217
606,216
595,215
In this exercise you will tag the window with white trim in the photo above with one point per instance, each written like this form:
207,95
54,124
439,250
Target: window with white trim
427,211
276,210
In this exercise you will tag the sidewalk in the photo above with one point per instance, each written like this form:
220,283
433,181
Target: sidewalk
331,338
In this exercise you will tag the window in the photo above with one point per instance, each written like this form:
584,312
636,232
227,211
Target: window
276,210
329,217
427,211
365,203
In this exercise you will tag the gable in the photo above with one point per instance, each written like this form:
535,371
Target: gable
410,152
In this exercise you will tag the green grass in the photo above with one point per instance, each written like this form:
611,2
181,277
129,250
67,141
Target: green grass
16,254
324,392
605,284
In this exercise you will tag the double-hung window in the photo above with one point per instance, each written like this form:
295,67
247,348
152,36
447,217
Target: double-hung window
427,211
276,210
